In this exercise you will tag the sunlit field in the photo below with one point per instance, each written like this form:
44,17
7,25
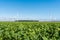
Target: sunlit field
29,30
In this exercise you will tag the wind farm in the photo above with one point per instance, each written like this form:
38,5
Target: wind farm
29,19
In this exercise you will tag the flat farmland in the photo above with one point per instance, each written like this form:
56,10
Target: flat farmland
29,30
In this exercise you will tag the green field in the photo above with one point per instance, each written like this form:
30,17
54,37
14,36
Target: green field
29,30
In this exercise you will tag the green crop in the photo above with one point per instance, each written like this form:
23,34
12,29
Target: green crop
29,31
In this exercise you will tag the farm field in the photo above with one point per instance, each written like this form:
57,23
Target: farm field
29,30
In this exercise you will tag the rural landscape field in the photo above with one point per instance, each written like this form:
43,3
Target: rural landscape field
29,19
29,30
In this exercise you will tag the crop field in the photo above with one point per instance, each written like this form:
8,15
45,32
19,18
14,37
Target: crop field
29,30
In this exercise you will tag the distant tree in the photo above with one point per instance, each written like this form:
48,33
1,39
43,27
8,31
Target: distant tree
26,21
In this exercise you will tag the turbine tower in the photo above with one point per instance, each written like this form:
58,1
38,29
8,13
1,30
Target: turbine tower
51,16
17,17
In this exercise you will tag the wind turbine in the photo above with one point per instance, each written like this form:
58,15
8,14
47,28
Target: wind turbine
51,17
17,15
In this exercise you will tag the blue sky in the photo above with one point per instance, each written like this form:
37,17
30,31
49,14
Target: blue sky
30,9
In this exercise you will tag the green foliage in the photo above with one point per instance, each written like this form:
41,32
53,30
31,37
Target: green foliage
29,31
